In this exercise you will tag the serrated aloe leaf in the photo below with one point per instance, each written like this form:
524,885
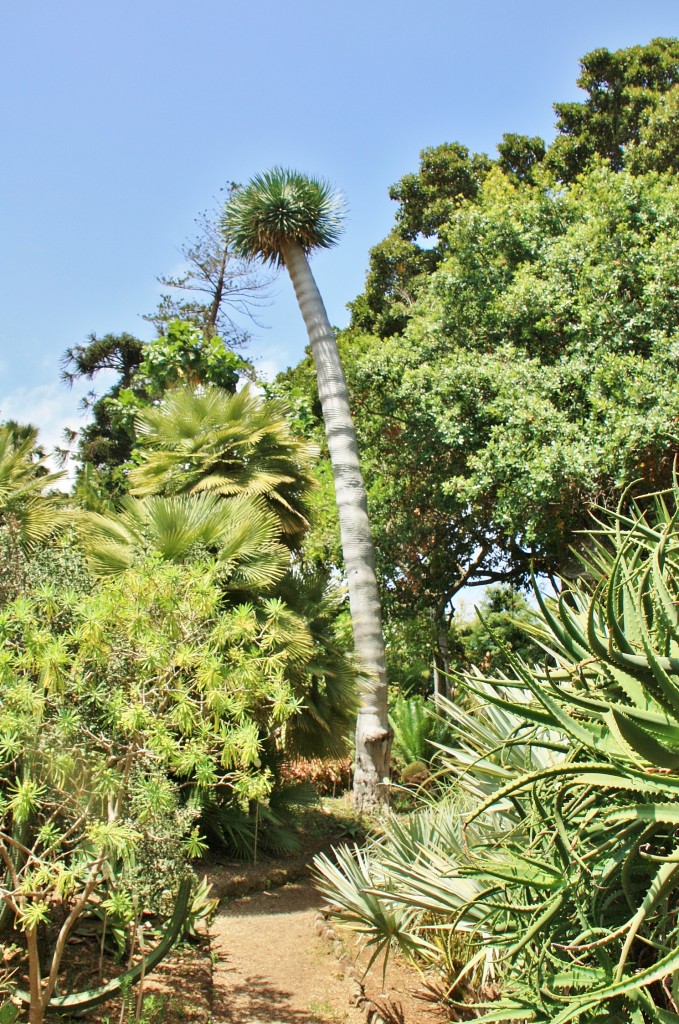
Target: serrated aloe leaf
531,714
575,650
516,870
666,604
573,628
587,734
667,813
663,883
667,691
644,743
505,1013
630,779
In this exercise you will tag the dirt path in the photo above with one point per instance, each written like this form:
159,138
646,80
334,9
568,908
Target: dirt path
272,968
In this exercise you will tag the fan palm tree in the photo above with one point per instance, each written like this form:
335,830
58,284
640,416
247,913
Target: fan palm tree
207,440
29,514
282,216
242,535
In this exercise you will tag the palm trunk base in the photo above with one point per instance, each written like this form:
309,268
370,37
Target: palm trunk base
371,767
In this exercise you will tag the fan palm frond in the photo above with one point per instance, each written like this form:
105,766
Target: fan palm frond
240,534
207,440
24,476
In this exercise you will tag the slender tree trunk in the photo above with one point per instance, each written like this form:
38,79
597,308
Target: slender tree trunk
441,652
373,735
217,297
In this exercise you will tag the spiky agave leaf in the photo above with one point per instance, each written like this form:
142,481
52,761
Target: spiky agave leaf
281,206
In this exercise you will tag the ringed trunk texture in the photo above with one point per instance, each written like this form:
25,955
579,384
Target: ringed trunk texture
373,735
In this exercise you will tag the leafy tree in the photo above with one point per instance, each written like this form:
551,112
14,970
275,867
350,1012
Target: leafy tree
447,176
657,148
531,379
499,630
121,353
283,216
628,119
520,155
399,265
146,370
623,87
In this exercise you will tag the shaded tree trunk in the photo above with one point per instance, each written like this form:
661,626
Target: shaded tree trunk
373,735
441,653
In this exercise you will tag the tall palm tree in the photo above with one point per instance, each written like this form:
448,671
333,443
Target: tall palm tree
282,216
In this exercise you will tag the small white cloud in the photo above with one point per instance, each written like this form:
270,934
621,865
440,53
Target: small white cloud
51,408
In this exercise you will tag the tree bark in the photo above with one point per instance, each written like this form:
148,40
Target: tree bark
373,735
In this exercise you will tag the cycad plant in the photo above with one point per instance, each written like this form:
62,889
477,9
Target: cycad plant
417,729
577,890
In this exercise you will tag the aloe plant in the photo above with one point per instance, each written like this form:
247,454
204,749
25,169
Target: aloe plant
569,847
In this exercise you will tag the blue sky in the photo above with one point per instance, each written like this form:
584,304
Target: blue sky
121,120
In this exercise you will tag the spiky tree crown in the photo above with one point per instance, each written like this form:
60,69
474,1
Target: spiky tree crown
281,206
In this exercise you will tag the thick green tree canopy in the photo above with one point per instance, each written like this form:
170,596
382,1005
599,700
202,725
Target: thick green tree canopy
532,378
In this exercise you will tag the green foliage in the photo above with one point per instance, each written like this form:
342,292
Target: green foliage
657,148
501,624
328,680
182,355
124,710
241,533
27,515
210,441
532,378
417,728
564,874
87,809
280,206
623,88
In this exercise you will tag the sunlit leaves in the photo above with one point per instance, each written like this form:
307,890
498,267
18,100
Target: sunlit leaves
24,799
280,206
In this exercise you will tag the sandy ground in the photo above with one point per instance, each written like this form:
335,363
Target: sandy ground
272,968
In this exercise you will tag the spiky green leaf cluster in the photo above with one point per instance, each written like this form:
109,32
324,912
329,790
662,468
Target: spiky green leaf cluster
282,206
570,779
